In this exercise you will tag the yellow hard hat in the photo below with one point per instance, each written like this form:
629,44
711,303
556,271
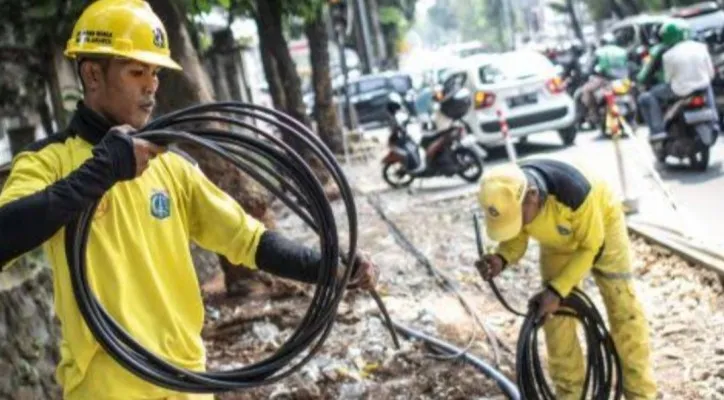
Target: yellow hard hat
121,28
502,190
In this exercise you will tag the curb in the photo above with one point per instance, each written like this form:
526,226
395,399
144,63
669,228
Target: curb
699,255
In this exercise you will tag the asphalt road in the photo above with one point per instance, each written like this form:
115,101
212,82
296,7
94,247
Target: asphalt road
695,193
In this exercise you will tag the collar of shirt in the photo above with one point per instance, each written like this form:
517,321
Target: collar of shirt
540,182
88,124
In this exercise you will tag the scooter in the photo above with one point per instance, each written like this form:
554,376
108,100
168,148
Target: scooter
619,109
615,106
690,131
447,152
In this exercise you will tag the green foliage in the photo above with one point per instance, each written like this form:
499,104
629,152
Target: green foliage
393,16
558,7
442,15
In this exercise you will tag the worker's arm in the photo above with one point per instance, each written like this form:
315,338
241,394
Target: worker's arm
588,230
513,249
35,203
219,224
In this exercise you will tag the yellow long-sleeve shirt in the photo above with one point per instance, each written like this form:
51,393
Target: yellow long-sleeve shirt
572,219
139,263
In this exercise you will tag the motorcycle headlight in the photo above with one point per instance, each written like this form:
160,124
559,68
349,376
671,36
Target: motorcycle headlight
621,86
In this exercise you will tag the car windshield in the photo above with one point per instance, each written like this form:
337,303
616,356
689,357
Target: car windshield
367,85
704,22
513,66
400,84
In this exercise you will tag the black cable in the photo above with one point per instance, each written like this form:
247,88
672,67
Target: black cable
603,380
443,347
491,282
447,283
280,169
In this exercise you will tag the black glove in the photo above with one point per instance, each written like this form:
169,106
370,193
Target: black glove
116,148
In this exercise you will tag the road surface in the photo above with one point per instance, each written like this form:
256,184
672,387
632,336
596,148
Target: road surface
695,193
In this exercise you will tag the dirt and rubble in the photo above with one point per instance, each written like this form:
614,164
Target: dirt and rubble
684,303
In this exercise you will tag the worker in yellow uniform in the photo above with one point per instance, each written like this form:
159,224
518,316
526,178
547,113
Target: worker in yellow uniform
152,203
581,228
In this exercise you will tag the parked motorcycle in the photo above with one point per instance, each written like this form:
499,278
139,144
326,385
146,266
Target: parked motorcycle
689,132
447,152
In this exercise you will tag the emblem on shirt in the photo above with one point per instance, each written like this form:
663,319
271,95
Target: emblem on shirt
563,230
160,204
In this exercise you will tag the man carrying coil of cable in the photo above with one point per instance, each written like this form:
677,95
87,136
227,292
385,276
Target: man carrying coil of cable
581,228
152,203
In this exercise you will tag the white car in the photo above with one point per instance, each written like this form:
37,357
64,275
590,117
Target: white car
523,86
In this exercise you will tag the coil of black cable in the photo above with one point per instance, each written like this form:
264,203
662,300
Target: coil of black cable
226,129
603,379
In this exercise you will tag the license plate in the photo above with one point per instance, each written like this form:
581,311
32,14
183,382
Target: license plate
704,115
529,98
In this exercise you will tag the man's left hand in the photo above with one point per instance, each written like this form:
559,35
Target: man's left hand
365,273
546,302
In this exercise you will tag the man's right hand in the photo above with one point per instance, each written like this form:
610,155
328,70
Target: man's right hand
143,151
490,266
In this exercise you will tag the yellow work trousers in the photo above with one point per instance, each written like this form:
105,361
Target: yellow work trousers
628,325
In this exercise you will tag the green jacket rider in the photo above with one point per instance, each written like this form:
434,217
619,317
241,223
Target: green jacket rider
610,61
653,69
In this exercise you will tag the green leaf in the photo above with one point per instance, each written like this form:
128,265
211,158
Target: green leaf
390,15
559,8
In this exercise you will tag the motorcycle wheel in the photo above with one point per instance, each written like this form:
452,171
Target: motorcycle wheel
396,175
471,165
700,160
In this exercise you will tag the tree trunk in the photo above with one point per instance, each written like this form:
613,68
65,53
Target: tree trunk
271,72
574,20
45,117
29,347
269,24
325,111
52,62
377,30
270,17
192,86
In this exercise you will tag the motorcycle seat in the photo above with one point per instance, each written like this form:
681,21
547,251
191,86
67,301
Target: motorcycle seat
428,139
687,98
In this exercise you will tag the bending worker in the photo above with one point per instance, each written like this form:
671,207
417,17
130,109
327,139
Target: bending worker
152,203
580,226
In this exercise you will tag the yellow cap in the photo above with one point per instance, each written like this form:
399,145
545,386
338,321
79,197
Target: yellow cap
501,195
121,28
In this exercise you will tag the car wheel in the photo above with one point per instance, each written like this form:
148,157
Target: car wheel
568,135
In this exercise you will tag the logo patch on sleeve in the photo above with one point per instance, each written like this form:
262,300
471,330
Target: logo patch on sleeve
160,204
563,230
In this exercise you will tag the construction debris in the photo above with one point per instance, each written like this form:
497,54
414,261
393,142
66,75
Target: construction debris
684,303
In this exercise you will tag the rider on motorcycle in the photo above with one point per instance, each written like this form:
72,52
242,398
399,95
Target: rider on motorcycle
609,62
687,68
572,71
652,71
